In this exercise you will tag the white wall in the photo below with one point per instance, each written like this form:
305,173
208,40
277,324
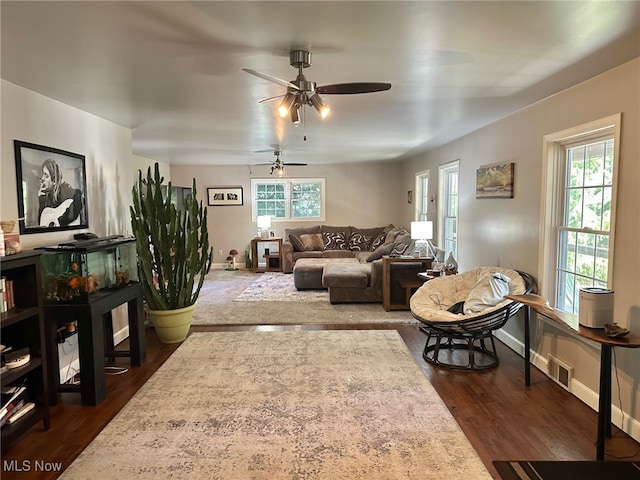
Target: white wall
34,118
364,195
505,232
143,163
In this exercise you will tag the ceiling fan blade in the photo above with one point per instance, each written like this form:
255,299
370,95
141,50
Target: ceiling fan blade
294,164
270,98
271,78
352,88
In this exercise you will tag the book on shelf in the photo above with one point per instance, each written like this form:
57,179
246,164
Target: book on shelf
20,412
11,302
12,412
8,299
3,289
11,398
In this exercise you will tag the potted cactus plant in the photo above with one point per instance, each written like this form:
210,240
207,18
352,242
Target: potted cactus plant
173,254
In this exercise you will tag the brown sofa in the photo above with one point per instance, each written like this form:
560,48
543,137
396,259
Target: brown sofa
345,260
324,241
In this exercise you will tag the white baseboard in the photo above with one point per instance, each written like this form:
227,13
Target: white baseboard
222,266
121,335
631,425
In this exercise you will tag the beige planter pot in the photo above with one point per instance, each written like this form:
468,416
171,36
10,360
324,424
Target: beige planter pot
172,326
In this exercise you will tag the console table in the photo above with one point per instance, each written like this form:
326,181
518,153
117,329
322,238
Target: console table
93,346
631,340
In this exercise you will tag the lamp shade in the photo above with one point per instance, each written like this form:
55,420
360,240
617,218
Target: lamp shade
264,221
421,230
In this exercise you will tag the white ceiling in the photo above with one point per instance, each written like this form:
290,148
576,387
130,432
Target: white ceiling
172,71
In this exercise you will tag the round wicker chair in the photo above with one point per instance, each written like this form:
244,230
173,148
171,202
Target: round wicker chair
460,340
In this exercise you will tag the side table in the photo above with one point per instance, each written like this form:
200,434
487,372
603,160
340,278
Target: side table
632,340
397,287
266,254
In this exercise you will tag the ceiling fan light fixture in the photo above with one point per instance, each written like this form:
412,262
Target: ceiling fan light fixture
295,115
286,104
280,171
319,105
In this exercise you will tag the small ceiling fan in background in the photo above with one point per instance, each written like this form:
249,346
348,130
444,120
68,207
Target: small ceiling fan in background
301,92
278,165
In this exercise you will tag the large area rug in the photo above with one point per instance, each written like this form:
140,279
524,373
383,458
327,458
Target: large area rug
247,298
284,405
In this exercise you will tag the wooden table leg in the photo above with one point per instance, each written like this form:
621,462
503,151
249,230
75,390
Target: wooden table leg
527,346
604,403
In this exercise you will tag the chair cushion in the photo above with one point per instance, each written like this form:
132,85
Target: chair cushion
432,300
488,291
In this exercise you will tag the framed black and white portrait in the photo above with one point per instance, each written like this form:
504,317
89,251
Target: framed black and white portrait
52,188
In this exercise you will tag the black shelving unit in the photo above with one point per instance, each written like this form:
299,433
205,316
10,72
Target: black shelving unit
23,326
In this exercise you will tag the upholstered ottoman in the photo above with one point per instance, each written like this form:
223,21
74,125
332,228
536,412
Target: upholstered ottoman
348,283
307,272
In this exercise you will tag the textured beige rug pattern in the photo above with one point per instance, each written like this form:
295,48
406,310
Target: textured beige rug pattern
279,287
242,298
284,405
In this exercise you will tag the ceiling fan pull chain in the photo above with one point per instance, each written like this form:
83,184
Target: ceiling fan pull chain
304,123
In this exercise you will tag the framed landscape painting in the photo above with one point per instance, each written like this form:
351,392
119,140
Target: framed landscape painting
52,186
495,181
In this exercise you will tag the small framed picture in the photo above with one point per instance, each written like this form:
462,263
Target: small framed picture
495,181
223,196
272,233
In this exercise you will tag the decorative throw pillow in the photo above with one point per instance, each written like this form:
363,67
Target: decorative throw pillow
379,240
297,244
488,291
312,241
334,241
360,242
393,234
401,243
293,234
384,249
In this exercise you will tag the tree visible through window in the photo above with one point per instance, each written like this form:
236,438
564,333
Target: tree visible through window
306,200
583,247
448,219
578,228
270,199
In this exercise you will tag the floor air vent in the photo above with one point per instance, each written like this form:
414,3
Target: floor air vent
560,372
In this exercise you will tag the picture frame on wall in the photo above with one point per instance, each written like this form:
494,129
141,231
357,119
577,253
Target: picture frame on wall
52,188
495,180
224,196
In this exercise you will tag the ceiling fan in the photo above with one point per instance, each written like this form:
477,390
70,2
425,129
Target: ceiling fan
301,92
278,165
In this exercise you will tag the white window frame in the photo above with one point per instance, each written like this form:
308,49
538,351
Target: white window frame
553,178
422,196
450,245
288,182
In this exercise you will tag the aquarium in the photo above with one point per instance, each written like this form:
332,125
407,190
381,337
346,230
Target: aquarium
79,271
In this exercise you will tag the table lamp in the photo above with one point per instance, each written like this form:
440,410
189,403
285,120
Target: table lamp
264,224
422,232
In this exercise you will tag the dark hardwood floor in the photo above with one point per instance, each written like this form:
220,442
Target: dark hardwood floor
503,419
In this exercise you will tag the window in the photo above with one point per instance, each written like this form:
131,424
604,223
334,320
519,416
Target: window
422,196
448,215
291,199
580,193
